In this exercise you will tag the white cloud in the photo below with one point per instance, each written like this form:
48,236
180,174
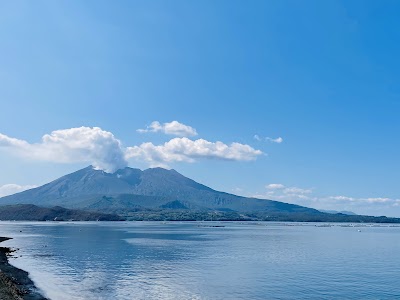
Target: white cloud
376,200
184,149
101,149
172,128
296,191
257,137
341,198
9,189
278,140
275,186
83,144
307,197
280,191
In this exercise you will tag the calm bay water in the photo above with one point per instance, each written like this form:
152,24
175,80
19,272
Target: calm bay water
146,260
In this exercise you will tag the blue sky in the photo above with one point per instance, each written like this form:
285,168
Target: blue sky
322,75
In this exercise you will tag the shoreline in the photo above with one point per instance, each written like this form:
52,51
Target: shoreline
15,283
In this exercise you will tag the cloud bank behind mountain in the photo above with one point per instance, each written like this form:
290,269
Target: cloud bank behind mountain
105,152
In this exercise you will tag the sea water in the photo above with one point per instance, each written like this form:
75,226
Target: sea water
196,260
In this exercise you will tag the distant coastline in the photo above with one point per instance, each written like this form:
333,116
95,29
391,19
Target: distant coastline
154,194
15,283
30,212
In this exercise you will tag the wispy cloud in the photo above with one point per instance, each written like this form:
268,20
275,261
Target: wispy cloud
275,186
309,197
277,140
281,192
364,200
171,128
296,191
257,137
9,189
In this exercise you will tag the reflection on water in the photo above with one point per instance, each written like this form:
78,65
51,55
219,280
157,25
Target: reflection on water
144,260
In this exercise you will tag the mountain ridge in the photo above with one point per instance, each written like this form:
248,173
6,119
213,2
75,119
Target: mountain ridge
157,194
151,188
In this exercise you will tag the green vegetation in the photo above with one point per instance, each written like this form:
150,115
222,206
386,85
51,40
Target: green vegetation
186,215
29,212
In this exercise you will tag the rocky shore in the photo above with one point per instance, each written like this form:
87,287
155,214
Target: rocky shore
15,283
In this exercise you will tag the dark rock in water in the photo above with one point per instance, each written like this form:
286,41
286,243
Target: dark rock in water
15,283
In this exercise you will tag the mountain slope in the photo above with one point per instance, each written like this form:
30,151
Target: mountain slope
343,212
132,189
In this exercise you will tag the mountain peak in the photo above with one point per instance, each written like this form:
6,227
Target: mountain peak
130,188
157,169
